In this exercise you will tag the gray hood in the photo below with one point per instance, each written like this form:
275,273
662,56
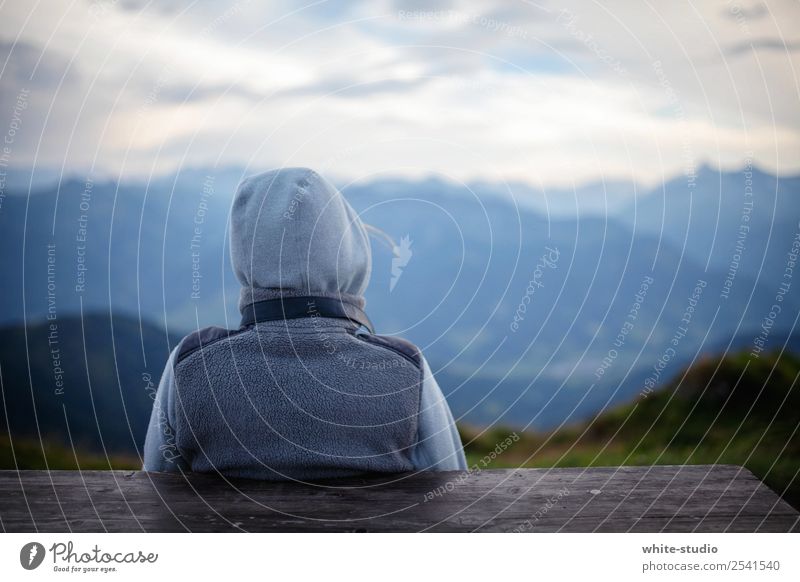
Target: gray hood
294,234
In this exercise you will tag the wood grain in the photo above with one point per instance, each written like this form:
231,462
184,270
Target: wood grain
703,498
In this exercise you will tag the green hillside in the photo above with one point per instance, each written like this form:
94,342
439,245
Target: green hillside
29,453
731,410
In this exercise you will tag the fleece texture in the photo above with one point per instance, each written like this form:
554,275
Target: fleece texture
284,400
293,234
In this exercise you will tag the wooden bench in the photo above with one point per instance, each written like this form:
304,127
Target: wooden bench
703,498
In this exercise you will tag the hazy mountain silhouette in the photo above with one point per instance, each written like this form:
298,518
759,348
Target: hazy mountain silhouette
473,255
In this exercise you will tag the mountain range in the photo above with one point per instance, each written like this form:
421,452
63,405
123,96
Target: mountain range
534,308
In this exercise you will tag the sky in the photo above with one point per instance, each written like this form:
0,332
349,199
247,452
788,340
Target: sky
545,93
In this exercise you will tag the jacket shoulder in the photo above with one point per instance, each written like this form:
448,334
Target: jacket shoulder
202,338
397,344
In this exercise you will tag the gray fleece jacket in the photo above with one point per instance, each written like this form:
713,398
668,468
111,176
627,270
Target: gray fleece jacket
310,393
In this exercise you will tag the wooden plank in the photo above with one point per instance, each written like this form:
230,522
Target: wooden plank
644,499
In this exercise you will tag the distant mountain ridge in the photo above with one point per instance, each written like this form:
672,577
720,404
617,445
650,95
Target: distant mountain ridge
474,257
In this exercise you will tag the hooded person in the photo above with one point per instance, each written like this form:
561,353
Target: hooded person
304,388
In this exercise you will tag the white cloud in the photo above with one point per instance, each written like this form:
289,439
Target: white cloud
472,91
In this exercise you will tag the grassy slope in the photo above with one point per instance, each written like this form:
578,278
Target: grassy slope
28,454
730,410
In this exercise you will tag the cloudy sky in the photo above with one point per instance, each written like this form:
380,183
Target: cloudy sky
541,92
